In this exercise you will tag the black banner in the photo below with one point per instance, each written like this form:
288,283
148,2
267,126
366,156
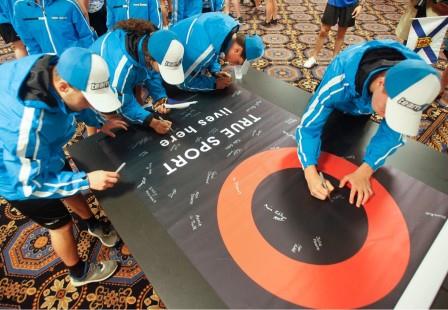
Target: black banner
227,185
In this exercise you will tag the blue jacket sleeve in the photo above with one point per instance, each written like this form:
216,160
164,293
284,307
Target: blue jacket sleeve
199,82
383,144
90,117
4,16
215,67
320,106
133,111
155,86
110,19
85,34
218,5
178,10
25,34
29,174
155,13
131,108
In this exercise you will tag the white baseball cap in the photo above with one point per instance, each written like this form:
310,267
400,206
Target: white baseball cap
411,86
88,73
168,52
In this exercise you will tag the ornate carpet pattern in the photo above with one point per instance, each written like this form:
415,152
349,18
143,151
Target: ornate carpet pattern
31,276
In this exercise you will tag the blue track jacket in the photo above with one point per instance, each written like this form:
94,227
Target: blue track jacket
51,26
126,73
337,91
32,135
202,37
183,9
149,10
6,11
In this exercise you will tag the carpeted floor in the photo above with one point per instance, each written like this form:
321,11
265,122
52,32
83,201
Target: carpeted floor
31,276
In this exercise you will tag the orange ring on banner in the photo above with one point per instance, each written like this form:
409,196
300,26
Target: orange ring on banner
366,277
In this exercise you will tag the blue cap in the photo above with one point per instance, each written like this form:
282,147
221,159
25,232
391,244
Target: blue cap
88,73
74,67
254,47
168,52
410,85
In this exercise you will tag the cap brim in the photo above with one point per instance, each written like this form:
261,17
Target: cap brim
173,76
401,119
104,100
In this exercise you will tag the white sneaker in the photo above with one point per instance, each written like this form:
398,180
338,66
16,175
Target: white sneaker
310,62
97,272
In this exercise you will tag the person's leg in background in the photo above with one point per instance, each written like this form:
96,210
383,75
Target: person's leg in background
269,13
236,7
339,40
322,37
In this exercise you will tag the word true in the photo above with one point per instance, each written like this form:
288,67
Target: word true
190,154
240,125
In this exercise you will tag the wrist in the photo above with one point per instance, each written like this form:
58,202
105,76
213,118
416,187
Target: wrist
310,172
366,170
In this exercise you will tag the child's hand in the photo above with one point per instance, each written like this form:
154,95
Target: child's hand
315,185
360,184
160,126
357,11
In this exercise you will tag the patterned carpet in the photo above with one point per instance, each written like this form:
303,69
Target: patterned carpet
31,276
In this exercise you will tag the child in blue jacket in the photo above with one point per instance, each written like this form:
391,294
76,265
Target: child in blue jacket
42,96
51,26
135,53
384,77
7,31
206,37
118,10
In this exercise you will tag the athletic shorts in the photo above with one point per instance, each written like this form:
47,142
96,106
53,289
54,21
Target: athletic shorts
341,16
49,213
8,33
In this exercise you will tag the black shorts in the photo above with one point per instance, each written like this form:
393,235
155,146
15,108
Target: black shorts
48,213
342,16
8,33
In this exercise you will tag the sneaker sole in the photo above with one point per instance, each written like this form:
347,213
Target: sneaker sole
78,284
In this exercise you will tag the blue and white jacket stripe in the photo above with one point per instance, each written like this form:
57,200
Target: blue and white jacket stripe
118,10
337,91
51,26
32,135
126,73
202,37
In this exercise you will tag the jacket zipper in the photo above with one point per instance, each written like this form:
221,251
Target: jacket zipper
47,26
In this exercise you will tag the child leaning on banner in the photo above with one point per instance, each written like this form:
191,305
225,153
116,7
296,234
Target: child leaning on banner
383,77
42,97
139,56
341,12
